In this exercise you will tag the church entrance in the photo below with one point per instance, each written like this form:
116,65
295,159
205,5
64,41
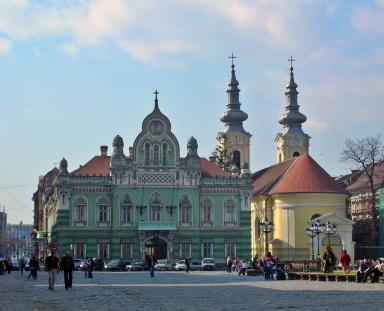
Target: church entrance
157,248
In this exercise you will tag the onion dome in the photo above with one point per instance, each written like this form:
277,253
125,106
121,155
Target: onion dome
245,165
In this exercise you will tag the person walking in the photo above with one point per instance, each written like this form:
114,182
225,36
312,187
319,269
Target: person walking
151,266
229,264
91,266
22,265
187,264
329,260
33,266
268,266
67,266
345,260
8,265
52,264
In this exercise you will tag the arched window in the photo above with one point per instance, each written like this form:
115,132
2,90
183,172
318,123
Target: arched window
156,155
155,206
206,213
126,210
296,154
229,212
146,153
80,211
185,211
102,207
236,158
165,151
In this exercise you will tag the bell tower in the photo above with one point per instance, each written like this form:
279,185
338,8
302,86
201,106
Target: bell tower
234,140
292,141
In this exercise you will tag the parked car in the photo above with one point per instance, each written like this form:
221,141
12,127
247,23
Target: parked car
208,264
116,265
77,263
15,264
180,266
137,266
195,266
163,265
99,264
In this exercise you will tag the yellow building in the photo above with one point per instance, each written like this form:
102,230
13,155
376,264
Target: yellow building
296,193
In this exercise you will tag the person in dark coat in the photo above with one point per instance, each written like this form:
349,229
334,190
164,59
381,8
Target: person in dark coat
187,264
364,271
67,266
329,260
151,265
52,264
33,266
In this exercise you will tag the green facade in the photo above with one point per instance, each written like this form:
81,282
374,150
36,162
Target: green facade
177,206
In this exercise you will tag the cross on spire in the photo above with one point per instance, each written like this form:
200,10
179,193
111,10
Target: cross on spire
156,100
291,60
232,57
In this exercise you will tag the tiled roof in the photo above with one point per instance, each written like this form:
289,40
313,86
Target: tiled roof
209,169
98,166
267,177
305,175
296,175
362,183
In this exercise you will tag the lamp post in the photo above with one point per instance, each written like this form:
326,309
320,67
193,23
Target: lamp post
310,231
266,226
329,229
318,228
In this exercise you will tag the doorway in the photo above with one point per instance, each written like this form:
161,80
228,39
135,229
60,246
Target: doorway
157,248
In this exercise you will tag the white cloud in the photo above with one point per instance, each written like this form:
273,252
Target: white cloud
70,48
5,46
369,19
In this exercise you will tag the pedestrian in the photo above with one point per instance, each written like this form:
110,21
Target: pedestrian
22,265
84,266
345,260
52,264
2,268
329,260
8,265
268,266
67,266
33,266
91,266
229,264
151,265
187,264
242,267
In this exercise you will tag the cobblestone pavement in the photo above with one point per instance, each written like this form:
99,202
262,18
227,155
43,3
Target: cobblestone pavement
181,291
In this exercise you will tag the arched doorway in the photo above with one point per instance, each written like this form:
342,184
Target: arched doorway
157,248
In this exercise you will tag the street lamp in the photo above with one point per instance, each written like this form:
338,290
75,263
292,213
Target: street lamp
318,228
329,229
266,226
310,231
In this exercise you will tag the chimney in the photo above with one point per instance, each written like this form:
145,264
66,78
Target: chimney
130,154
104,151
212,159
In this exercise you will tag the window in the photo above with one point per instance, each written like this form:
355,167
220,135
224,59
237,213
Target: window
230,249
206,217
146,153
296,154
126,250
103,250
236,158
80,211
185,211
207,249
156,155
79,250
185,250
103,210
126,210
155,206
229,212
165,150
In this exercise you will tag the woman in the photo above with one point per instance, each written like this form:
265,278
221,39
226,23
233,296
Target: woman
345,259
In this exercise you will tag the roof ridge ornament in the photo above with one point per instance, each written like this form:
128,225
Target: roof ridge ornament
156,100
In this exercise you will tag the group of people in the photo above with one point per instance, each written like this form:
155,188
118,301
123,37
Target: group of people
5,265
88,265
370,268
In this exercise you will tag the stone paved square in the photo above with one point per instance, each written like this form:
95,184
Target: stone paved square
180,291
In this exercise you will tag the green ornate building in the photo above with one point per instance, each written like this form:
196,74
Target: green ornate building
153,201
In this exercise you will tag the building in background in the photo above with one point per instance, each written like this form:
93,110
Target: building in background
3,232
19,240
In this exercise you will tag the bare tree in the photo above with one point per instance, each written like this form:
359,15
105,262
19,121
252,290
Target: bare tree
366,154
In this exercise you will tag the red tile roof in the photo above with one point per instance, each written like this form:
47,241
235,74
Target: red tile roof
306,175
98,166
296,175
209,169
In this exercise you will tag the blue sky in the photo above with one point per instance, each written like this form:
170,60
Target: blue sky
73,74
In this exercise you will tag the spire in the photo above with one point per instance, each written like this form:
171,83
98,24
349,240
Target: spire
233,117
156,100
292,117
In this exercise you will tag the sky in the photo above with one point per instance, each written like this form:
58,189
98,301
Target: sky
74,74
